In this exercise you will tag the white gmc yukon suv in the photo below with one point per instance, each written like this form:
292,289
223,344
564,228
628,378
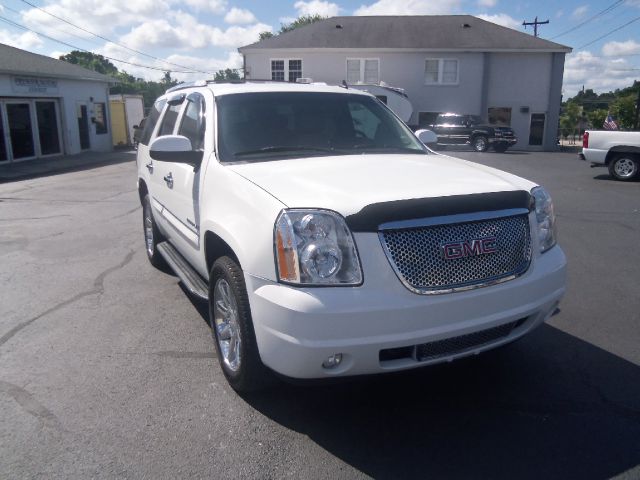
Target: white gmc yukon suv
329,241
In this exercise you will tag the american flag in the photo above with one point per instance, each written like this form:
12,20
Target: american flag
610,123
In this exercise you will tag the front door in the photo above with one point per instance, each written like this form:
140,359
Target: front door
48,132
83,127
20,128
536,129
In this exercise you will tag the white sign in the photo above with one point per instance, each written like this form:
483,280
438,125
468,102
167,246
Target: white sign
40,85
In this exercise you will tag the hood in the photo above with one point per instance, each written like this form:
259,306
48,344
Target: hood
347,184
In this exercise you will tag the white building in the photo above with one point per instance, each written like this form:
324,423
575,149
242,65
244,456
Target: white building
49,107
448,63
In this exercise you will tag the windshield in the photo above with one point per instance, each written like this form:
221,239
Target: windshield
274,125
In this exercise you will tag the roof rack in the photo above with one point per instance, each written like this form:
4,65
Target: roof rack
183,85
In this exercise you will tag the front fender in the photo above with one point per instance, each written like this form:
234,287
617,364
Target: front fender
243,215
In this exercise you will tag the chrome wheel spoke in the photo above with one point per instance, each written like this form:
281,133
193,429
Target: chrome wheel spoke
224,331
226,324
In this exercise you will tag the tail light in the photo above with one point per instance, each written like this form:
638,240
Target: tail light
585,140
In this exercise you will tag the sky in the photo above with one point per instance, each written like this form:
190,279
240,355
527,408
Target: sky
195,38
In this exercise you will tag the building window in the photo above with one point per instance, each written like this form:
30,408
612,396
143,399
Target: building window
100,118
286,69
500,116
441,71
363,70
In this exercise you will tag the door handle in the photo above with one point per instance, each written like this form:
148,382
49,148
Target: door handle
169,180
150,167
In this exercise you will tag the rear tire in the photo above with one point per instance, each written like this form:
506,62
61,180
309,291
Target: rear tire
152,236
480,143
232,328
624,167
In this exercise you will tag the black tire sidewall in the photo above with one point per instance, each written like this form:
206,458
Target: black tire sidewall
251,375
156,259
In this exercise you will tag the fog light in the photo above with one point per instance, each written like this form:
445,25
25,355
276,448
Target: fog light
332,361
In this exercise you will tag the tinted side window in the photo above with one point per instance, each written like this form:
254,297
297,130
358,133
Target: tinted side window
193,121
169,120
151,121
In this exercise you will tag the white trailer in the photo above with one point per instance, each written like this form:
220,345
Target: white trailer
127,111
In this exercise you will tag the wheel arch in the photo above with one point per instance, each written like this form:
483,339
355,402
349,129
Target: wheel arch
615,151
216,247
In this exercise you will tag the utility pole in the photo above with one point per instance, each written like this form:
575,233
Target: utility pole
535,24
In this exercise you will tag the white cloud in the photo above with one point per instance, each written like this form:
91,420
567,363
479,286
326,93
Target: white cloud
630,47
239,16
25,41
183,31
317,7
97,16
580,12
214,6
409,7
559,13
207,64
600,74
501,19
487,3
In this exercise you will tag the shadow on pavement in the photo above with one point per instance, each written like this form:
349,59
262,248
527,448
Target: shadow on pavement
47,167
550,406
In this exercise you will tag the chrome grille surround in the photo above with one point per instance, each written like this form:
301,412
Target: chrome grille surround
415,253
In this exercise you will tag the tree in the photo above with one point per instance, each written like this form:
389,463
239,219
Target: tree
297,23
228,74
624,111
92,61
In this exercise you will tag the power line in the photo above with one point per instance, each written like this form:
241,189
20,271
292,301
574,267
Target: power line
109,40
609,33
603,12
10,22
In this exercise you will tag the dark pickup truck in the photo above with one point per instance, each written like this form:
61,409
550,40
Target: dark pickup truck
456,129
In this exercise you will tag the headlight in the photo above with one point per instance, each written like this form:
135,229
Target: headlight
315,247
545,217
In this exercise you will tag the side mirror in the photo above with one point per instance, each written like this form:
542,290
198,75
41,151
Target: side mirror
427,136
174,148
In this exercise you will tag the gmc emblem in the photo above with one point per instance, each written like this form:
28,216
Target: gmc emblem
469,248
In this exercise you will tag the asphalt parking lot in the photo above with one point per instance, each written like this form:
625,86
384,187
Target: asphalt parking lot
107,368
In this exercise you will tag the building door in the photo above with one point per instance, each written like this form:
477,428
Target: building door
536,129
4,155
83,127
20,130
48,132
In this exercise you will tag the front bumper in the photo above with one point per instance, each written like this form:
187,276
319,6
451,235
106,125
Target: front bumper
509,141
298,328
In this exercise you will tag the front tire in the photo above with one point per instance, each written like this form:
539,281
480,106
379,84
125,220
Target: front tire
624,167
500,147
480,143
232,328
152,236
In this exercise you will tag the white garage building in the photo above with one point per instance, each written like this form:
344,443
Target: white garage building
49,107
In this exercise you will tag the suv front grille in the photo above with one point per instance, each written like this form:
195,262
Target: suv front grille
418,258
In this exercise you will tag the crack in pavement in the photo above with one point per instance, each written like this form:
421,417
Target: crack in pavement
29,404
98,289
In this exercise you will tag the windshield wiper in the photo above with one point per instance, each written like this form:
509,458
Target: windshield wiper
282,149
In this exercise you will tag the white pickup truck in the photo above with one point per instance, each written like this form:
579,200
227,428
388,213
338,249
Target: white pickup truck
618,151
329,241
